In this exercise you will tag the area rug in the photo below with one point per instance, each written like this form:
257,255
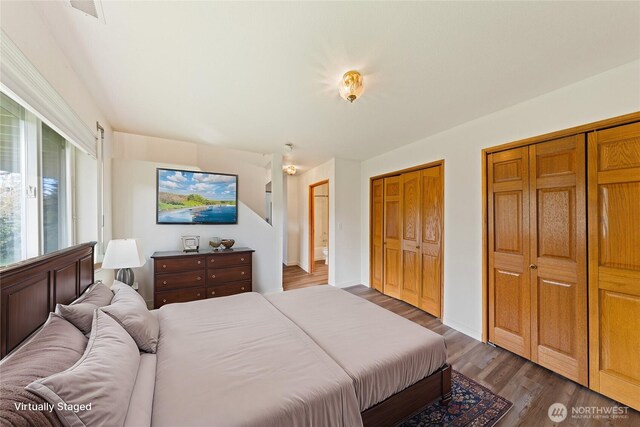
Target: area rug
471,405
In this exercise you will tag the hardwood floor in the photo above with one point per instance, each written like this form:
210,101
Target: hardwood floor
530,387
293,277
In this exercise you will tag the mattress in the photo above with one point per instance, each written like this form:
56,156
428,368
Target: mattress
237,361
381,352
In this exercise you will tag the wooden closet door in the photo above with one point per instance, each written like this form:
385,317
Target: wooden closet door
432,222
509,289
411,265
614,263
377,231
558,257
393,236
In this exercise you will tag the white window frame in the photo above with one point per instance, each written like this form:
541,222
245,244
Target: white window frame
32,232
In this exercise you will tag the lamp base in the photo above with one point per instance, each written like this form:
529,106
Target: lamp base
125,275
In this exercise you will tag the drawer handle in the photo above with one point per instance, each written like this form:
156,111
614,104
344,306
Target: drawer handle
242,288
213,260
213,276
199,278
164,265
213,292
198,294
241,259
242,272
164,283
164,300
198,262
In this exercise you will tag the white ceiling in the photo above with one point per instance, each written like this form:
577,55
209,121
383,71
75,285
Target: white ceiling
253,76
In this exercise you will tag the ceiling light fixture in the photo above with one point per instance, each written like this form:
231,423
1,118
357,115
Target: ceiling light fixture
351,86
290,169
288,147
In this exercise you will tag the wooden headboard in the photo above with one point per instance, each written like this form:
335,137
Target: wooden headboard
30,289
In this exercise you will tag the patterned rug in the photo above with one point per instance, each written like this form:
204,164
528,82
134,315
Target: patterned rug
471,405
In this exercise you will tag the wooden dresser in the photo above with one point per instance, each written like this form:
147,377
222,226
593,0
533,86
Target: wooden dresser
182,277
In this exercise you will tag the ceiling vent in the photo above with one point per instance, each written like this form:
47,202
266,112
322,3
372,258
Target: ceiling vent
88,7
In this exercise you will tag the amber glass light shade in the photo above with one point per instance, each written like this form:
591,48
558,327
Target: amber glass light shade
351,86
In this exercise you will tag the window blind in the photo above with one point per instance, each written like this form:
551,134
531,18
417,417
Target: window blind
22,81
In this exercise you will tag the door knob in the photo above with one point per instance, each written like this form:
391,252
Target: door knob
533,266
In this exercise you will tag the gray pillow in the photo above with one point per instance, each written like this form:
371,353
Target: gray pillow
130,311
80,315
98,294
103,378
54,348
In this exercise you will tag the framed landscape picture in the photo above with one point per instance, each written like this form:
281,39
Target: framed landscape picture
194,197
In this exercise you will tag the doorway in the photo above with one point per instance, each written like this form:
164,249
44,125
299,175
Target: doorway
319,227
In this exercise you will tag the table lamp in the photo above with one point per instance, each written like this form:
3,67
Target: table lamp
124,254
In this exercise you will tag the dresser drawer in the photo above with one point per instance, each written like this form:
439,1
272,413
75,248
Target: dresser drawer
180,295
219,260
230,289
173,265
186,279
230,274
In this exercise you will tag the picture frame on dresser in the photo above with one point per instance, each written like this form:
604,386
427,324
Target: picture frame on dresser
183,277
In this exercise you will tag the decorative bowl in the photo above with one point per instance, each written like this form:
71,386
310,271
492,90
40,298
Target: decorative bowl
215,242
228,243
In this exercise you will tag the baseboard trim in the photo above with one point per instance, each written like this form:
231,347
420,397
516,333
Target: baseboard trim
476,335
347,284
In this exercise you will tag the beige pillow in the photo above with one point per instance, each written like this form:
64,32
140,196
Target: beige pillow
130,311
98,294
80,315
102,380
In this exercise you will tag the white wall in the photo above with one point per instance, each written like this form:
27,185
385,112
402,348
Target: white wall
250,167
606,95
346,202
23,24
134,198
279,209
292,221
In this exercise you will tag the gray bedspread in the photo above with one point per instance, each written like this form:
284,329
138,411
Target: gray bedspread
237,361
382,352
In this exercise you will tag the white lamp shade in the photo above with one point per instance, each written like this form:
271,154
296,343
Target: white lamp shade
123,253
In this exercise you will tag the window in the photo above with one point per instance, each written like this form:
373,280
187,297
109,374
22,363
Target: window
54,190
11,181
35,209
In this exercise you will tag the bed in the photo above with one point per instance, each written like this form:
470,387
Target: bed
381,352
311,357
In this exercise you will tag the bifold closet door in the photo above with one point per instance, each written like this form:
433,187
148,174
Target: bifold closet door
558,256
411,212
431,232
377,230
614,263
392,271
508,218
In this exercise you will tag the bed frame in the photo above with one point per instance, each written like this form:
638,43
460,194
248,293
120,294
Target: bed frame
30,290
411,400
